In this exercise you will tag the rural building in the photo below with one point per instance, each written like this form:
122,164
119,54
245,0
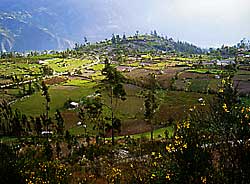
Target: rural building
40,62
74,105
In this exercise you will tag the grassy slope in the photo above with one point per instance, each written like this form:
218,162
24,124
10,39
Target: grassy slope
34,105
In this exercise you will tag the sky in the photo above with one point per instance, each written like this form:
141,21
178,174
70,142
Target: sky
206,23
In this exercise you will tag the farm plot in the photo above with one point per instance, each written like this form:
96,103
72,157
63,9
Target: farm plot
193,75
242,81
166,77
34,105
14,68
206,71
198,85
67,65
197,82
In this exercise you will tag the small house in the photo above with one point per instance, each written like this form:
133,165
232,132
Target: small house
217,77
40,62
73,105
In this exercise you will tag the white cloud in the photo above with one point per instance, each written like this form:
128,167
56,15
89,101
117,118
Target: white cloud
205,22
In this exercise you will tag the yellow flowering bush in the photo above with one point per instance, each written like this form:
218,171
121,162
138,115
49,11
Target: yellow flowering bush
114,175
46,172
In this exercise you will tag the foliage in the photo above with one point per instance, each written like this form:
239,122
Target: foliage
46,70
60,122
92,112
151,103
113,83
12,122
8,168
45,172
212,146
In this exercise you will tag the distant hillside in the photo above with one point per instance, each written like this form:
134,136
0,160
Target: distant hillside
141,43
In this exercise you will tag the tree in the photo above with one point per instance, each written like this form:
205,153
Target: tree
85,39
45,93
137,34
113,83
124,39
151,103
9,172
31,89
212,144
60,122
25,123
46,70
17,128
113,39
58,149
155,33
118,39
48,151
93,109
38,126
11,121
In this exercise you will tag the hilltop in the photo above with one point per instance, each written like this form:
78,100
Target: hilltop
146,43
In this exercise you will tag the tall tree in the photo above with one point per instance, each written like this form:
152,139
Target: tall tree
151,103
124,39
45,93
60,122
113,39
37,125
113,83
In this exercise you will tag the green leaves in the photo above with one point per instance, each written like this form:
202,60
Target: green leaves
113,82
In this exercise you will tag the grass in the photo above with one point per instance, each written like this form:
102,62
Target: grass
180,98
97,67
158,133
76,130
8,140
34,105
67,65
214,84
245,101
134,64
199,85
206,71
97,76
242,72
15,68
79,83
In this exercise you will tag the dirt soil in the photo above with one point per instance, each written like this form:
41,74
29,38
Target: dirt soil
55,80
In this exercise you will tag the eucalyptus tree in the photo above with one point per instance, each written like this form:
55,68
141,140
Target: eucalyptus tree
151,103
60,122
113,83
45,117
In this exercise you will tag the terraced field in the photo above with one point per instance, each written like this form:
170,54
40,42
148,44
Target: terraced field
181,87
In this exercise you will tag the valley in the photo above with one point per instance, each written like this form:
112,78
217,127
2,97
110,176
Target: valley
98,110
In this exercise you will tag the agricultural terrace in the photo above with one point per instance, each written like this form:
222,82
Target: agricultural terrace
174,105
182,81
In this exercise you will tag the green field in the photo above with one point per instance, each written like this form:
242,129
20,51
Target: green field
67,65
206,71
34,105
199,85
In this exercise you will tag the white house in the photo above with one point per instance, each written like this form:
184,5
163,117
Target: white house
74,104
